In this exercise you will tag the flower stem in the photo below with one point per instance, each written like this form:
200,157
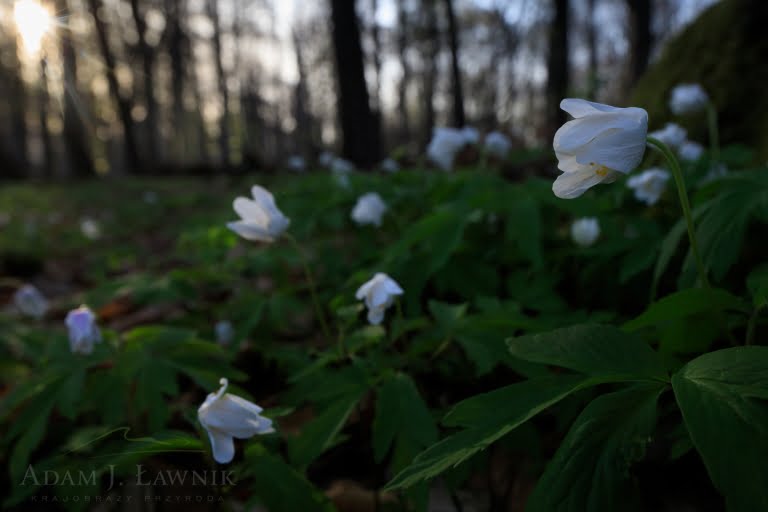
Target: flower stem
312,288
686,206
714,134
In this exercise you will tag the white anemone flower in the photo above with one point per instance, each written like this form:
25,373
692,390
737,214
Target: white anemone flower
326,158
444,146
471,135
690,151
29,301
83,331
90,228
225,417
688,98
585,231
673,135
390,165
260,218
224,331
379,293
369,209
597,145
498,145
649,185
296,164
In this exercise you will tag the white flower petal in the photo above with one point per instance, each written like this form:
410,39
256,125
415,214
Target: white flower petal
250,231
573,184
222,446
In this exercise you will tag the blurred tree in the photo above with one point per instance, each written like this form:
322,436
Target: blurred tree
304,129
360,130
19,166
406,72
459,119
76,142
640,16
221,80
429,51
148,53
123,104
557,66
45,132
593,79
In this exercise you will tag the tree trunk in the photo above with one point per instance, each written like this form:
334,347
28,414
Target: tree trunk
147,61
459,119
557,66
376,38
17,107
360,130
593,80
76,143
640,37
45,132
123,104
304,121
405,77
431,49
221,78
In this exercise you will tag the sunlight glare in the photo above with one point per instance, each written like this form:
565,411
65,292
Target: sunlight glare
33,21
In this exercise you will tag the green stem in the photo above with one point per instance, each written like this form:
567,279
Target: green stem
714,134
686,206
312,288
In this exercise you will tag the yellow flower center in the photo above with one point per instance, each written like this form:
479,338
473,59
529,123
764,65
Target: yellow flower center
600,171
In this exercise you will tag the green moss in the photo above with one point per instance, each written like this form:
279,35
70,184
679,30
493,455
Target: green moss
726,51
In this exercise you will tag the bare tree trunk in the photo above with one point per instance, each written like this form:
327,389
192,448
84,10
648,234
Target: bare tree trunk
592,65
17,108
459,119
123,104
430,69
375,37
76,143
177,42
557,66
147,61
360,130
405,78
640,37
45,132
213,13
304,121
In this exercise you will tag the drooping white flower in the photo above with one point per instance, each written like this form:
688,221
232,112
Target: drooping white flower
673,135
498,145
224,331
598,144
444,146
225,417
690,151
649,185
471,135
326,158
29,301
390,165
369,209
379,293
83,331
90,228
688,98
260,218
585,231
296,164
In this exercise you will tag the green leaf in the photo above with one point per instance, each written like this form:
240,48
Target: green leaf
488,417
598,350
686,303
722,396
590,470
524,228
280,487
403,419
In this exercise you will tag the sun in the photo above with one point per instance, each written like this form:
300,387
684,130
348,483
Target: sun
33,21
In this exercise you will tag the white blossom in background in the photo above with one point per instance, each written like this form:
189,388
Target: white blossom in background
600,143
471,135
690,151
390,165
29,301
498,145
296,164
688,98
444,146
369,209
83,331
261,220
90,228
585,231
341,169
379,293
150,197
673,135
224,332
649,185
716,171
326,159
226,417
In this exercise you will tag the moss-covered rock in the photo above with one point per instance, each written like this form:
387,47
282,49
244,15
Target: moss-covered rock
726,51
